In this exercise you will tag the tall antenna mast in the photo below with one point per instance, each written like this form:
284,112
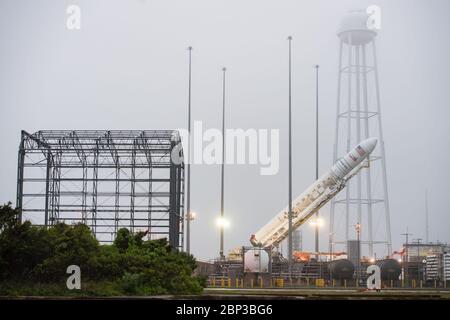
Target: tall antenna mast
290,162
222,183
188,166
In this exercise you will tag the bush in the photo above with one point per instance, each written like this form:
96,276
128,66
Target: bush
132,283
38,257
68,245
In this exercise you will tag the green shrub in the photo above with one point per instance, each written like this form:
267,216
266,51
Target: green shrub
132,283
35,259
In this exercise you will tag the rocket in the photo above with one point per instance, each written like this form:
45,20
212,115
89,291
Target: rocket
315,196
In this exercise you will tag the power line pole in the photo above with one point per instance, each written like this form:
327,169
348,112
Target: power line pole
188,189
290,161
223,167
406,259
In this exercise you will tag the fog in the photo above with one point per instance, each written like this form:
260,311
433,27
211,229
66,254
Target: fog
126,68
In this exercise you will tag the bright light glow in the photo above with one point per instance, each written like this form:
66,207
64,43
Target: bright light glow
317,222
222,222
400,260
191,216
372,260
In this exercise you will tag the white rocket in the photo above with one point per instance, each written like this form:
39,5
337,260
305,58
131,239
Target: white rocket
318,194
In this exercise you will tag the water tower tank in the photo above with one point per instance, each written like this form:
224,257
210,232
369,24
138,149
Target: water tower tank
353,28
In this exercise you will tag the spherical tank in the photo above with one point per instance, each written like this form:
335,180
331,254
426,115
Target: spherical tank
353,28
390,269
341,269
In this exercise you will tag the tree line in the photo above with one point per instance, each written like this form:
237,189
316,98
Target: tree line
37,257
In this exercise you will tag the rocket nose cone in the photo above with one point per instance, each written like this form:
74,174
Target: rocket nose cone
369,144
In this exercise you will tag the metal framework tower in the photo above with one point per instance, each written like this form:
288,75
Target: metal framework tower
358,117
105,179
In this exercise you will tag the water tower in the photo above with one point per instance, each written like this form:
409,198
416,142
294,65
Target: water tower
365,199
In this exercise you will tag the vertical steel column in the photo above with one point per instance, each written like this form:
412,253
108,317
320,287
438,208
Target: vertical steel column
47,186
149,203
84,191
173,216
148,155
349,129
53,192
57,177
366,136
150,185
358,136
20,177
74,142
94,188
116,160
180,215
117,195
383,154
133,185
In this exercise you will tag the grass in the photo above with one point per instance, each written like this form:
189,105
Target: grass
88,289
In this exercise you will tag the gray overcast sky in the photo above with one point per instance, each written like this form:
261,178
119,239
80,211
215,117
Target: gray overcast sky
127,69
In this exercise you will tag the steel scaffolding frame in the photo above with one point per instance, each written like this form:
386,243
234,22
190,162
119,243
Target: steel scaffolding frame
105,179
358,116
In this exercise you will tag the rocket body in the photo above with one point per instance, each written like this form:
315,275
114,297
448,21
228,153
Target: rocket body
351,160
315,196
